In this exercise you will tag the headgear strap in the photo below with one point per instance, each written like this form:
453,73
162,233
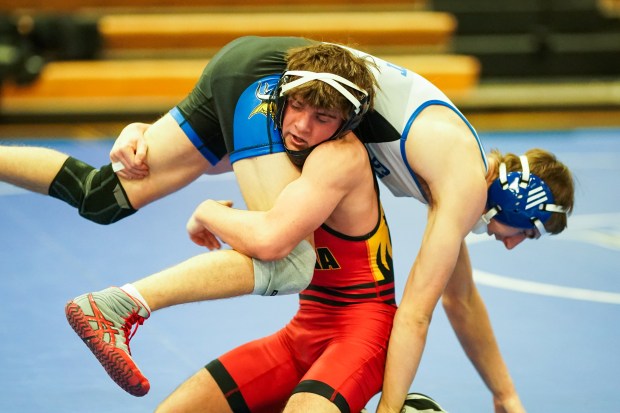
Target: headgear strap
517,204
329,78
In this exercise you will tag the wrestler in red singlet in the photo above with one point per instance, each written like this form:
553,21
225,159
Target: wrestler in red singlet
336,344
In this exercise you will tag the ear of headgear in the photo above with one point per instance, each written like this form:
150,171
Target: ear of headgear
520,200
359,107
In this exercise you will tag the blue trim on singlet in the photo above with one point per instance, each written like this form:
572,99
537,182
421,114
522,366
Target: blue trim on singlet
403,138
193,136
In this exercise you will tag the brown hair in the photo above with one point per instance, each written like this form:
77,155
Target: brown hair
556,175
335,59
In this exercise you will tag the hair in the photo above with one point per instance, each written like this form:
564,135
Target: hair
556,175
338,60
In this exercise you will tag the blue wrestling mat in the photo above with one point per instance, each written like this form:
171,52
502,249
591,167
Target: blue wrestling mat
554,303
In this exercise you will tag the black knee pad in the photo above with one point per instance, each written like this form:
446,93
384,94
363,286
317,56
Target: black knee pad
96,193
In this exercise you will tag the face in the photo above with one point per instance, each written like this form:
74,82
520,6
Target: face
510,236
304,126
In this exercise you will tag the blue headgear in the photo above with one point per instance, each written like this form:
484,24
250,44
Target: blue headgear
520,200
358,109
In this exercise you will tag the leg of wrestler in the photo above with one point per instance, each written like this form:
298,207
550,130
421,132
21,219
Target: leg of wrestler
257,377
98,194
199,393
309,402
262,178
30,168
173,161
208,276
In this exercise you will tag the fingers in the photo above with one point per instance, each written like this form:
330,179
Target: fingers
128,154
202,236
206,239
128,165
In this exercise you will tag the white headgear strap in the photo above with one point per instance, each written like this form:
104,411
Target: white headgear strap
331,79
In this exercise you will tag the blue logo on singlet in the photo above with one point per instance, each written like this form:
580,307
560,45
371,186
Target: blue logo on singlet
255,135
263,91
380,170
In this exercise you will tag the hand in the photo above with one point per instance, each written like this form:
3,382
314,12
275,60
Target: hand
197,231
508,405
128,154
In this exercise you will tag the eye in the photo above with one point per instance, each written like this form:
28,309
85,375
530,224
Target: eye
295,104
324,118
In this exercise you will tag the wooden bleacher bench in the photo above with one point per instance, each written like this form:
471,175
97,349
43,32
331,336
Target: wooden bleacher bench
413,29
154,86
77,5
610,7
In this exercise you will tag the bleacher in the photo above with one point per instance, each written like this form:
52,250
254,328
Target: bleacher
541,55
111,58
147,54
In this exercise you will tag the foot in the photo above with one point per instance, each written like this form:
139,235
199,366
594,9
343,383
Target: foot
104,320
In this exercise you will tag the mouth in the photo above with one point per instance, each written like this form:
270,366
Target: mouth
294,142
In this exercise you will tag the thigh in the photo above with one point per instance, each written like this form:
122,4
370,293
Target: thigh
261,179
257,377
199,393
173,161
348,373
309,402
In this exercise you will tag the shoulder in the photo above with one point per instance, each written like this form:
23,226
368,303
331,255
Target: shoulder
339,159
348,150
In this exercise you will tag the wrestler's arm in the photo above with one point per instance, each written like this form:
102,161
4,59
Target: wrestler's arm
458,194
469,318
327,176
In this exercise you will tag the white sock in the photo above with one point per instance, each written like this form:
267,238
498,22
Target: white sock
133,291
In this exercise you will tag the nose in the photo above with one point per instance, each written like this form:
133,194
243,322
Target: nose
302,121
513,241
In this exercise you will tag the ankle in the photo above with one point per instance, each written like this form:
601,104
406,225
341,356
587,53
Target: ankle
132,291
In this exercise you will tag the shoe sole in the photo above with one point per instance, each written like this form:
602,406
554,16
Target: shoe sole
124,372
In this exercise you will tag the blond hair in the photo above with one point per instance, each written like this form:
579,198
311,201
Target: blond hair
556,175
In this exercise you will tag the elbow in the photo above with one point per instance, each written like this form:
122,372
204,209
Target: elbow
457,307
270,249
268,254
449,304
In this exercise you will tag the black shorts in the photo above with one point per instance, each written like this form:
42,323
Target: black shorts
224,114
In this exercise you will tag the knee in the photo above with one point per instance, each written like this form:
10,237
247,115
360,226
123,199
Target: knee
96,193
289,275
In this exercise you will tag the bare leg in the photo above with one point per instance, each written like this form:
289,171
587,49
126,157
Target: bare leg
30,168
209,276
174,162
199,393
309,402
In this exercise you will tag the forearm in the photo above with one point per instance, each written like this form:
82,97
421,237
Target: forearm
430,272
407,342
249,232
470,321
